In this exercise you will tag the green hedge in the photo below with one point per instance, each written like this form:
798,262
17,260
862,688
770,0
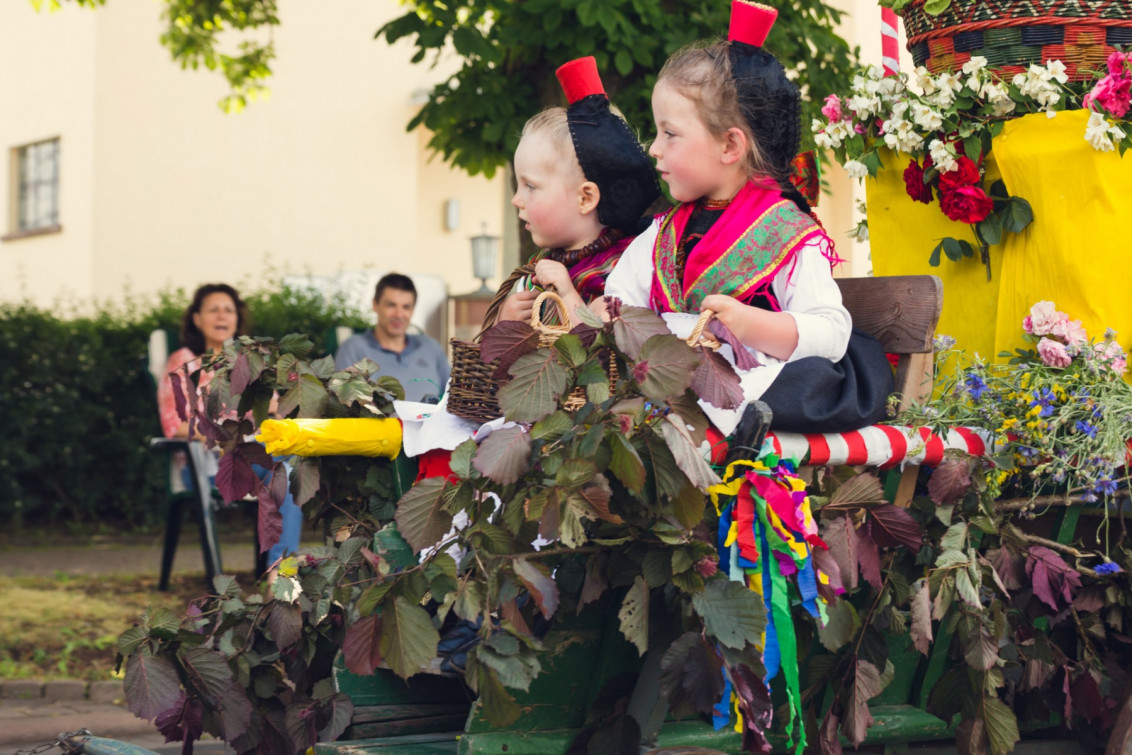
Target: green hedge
78,410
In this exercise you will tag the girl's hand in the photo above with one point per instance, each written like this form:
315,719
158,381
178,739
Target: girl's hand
518,306
550,273
722,305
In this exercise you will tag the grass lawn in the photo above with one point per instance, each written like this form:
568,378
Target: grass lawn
67,627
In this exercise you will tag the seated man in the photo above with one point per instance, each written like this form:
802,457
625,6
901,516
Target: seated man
417,361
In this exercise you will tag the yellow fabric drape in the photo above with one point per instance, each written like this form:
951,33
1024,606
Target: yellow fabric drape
331,437
1076,252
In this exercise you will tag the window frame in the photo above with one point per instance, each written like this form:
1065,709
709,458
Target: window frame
24,187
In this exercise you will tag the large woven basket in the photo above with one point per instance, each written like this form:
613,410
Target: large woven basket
1012,34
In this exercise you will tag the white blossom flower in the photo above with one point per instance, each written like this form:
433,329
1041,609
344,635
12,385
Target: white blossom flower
1097,133
974,65
1056,70
839,131
925,82
864,106
943,155
949,80
926,117
1003,107
856,169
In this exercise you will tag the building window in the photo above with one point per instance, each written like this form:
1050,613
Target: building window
37,187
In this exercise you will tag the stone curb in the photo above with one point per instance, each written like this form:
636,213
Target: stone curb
68,690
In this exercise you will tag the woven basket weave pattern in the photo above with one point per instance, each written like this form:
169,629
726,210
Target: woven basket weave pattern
1012,34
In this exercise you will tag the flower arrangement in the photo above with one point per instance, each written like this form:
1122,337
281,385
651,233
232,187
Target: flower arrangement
947,122
1060,412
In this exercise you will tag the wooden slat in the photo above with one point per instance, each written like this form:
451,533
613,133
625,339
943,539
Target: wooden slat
900,311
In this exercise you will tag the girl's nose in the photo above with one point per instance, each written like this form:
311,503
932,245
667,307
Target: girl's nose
515,200
653,151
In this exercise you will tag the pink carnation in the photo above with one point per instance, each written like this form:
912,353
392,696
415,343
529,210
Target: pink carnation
1110,352
1113,93
832,109
1043,316
1053,353
1070,331
1117,61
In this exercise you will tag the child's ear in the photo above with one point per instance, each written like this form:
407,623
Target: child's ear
589,195
735,145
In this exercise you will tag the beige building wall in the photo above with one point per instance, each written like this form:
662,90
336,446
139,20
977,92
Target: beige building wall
162,189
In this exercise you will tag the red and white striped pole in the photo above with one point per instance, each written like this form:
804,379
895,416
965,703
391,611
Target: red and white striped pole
889,42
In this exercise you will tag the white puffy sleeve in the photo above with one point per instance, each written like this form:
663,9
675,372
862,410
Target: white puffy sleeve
631,280
806,289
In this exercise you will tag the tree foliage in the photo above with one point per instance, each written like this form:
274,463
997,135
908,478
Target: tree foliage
509,51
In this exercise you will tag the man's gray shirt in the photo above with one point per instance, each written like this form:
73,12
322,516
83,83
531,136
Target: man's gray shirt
422,367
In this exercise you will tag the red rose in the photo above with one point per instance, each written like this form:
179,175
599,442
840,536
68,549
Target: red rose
967,204
914,183
966,173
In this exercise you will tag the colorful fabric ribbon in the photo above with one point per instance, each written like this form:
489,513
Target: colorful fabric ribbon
766,533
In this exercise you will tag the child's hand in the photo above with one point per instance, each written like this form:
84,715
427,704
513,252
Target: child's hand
550,273
722,305
518,306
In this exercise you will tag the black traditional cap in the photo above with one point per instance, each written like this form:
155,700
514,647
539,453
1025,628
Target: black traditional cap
769,101
607,150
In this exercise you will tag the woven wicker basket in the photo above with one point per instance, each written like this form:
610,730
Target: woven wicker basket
1012,34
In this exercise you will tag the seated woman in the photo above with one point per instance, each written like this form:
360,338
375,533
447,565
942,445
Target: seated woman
216,314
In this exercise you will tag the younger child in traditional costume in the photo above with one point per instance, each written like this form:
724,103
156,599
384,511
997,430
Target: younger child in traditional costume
584,182
743,242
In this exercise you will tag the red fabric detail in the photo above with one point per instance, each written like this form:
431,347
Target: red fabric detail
819,449
899,445
718,445
933,451
858,451
816,542
780,502
893,359
745,524
778,446
750,22
579,79
975,445
434,463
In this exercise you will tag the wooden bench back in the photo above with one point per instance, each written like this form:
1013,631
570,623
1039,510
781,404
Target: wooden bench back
900,311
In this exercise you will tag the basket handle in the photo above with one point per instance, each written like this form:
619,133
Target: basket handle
698,338
563,315
491,317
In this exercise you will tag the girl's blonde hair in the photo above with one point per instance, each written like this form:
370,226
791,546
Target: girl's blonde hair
703,75
552,124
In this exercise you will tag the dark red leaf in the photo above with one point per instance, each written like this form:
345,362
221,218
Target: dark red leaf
586,333
1087,700
1007,566
179,395
504,455
506,342
715,381
209,429
1050,576
867,684
286,624
536,578
754,701
306,479
691,675
510,612
594,585
828,565
829,736
362,647
744,360
551,519
255,454
868,556
182,722
950,481
632,326
235,477
1090,599
235,712
240,375
269,522
841,537
893,525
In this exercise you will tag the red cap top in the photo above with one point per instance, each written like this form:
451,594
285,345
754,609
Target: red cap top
579,79
750,22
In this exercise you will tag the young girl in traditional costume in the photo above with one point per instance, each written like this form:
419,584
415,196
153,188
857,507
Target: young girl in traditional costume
583,183
743,242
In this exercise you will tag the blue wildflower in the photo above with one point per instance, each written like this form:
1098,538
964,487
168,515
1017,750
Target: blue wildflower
1106,486
1109,567
943,343
976,386
1086,428
1044,399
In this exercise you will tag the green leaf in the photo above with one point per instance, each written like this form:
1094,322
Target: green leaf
934,259
132,639
666,367
408,638
552,427
537,382
571,350
461,460
421,518
393,547
991,229
1018,215
498,706
505,455
469,603
732,614
688,506
952,249
625,462
634,615
152,685
841,627
207,671
286,624
1002,725
297,344
973,147
871,160
623,62
955,539
856,491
